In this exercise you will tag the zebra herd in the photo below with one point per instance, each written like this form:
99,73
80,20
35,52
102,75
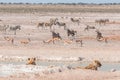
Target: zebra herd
72,32
5,28
55,35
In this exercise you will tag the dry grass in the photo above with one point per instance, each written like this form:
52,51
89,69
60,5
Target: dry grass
59,8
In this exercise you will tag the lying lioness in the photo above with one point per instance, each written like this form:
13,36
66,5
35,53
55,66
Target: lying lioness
31,61
93,66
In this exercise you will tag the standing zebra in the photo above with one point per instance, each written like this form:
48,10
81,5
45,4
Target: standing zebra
53,20
15,28
71,32
4,28
41,24
61,24
75,20
56,35
102,21
89,27
99,35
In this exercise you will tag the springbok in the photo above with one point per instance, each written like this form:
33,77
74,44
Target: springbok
75,20
10,39
67,41
25,41
52,40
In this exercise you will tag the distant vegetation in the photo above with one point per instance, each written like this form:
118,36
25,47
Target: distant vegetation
59,7
80,3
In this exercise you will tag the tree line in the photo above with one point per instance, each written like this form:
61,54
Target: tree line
80,3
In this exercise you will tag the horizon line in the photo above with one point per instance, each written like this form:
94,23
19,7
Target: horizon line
59,3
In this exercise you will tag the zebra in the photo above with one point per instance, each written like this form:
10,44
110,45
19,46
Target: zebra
100,37
56,35
102,21
40,24
71,32
53,20
75,20
4,28
48,24
89,27
15,28
61,24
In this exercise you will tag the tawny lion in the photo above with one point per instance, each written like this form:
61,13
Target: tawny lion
31,61
93,66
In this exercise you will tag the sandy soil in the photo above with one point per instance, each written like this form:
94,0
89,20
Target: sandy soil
91,50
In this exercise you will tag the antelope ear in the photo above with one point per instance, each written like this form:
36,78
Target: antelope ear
34,59
28,58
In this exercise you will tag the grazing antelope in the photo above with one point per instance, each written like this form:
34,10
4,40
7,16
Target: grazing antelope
92,66
40,25
89,27
31,61
61,24
25,41
9,39
75,20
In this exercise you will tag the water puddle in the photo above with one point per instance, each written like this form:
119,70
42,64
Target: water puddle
8,68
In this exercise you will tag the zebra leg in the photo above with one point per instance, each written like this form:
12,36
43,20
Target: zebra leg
15,32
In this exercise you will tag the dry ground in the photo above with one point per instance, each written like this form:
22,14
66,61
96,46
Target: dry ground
92,49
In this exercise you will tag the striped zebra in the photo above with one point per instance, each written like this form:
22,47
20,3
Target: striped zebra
4,28
75,20
15,28
61,24
41,24
48,24
89,27
53,20
102,21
